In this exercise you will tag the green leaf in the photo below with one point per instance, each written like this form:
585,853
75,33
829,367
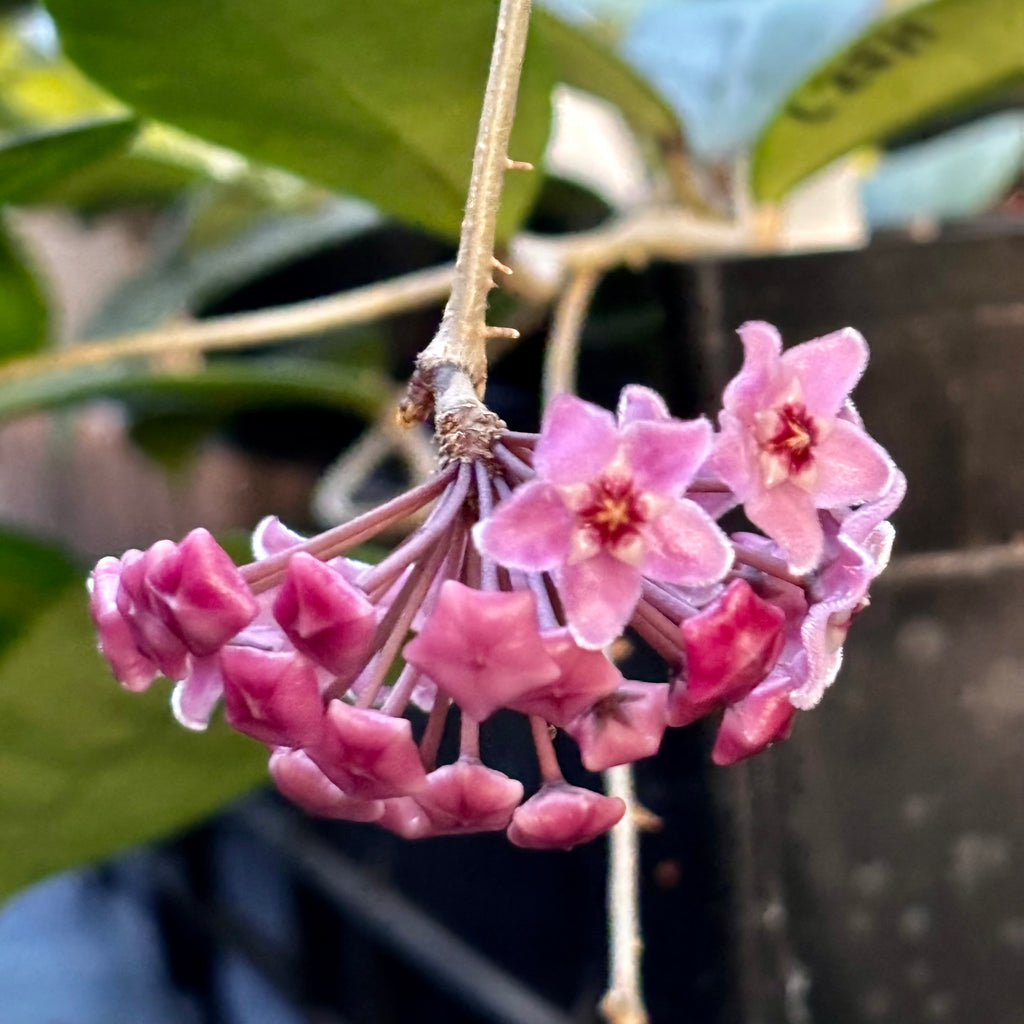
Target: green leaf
30,165
23,312
380,100
117,181
900,73
584,62
221,385
31,575
87,769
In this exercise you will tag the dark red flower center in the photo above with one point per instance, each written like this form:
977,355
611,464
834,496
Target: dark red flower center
613,511
794,437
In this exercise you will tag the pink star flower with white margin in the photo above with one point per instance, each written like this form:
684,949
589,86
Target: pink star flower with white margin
607,508
789,445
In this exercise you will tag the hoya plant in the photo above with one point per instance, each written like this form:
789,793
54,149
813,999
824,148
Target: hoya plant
738,546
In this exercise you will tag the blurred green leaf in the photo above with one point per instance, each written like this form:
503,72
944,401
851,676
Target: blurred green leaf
221,385
31,575
583,61
117,181
87,769
24,320
29,165
186,283
381,100
898,74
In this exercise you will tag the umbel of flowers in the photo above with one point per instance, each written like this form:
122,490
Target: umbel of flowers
537,553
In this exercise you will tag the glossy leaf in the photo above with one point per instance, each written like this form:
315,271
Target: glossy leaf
31,165
901,72
380,100
87,769
23,311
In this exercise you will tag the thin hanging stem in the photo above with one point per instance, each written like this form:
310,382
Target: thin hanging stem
562,351
623,1002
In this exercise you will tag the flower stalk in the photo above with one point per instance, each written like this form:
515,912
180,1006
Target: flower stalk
451,372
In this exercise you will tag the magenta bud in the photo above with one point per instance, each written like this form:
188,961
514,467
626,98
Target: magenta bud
199,592
482,648
622,728
762,717
299,779
272,696
731,645
369,754
325,616
467,796
585,677
135,602
560,816
132,669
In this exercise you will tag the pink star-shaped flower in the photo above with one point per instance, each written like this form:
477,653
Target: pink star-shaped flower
199,592
368,754
132,669
325,617
762,717
467,796
272,696
788,446
607,509
622,728
482,648
134,601
299,779
730,647
584,677
560,816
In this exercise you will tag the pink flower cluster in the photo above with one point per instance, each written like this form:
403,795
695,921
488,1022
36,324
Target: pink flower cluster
527,568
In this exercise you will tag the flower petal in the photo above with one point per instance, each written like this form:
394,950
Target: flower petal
745,393
685,546
638,403
665,456
851,467
863,524
271,696
577,440
828,368
733,457
730,646
599,596
787,514
530,530
194,697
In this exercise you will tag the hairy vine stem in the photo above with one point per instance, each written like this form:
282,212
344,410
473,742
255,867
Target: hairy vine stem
451,372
